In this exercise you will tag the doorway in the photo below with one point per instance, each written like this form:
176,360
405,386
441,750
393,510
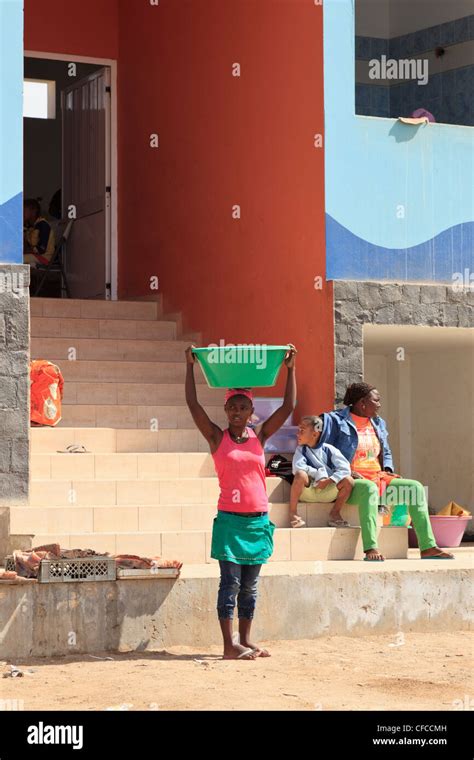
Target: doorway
70,166
425,378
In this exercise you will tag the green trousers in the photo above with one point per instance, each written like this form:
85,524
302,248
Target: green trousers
365,495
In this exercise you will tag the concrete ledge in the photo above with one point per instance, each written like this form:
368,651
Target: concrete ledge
296,600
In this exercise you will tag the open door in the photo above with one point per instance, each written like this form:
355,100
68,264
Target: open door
86,183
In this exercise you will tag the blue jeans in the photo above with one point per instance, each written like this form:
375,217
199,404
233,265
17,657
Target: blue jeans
237,582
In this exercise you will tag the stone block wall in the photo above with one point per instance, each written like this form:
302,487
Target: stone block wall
14,383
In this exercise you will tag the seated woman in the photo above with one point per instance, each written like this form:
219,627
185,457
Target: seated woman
321,474
361,436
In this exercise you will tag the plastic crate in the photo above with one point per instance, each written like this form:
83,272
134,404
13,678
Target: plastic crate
72,570
77,570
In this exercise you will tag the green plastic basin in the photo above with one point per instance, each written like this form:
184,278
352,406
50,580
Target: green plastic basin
241,366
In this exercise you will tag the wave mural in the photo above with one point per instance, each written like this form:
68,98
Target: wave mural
437,259
11,242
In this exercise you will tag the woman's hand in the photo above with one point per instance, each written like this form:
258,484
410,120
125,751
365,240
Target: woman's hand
190,357
356,476
290,356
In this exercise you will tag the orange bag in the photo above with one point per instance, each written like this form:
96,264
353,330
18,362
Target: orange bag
47,385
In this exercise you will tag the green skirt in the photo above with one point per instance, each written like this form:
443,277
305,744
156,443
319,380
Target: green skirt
243,540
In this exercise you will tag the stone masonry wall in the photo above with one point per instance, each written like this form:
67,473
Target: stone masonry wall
14,383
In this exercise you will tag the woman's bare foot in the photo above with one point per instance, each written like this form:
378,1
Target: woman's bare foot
435,551
236,652
373,555
260,652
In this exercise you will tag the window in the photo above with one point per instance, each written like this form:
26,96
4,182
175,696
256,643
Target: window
411,62
39,99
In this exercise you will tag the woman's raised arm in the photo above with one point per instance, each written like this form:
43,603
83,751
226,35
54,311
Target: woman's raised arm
211,432
276,420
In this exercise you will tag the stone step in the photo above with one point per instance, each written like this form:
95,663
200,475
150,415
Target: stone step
152,518
110,329
304,544
75,492
169,394
134,416
75,308
78,349
97,370
109,440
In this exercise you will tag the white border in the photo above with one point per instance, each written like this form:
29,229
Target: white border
112,62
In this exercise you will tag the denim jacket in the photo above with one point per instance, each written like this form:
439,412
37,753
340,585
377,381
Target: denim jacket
340,431
321,462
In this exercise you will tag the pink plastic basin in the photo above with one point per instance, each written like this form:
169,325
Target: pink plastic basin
448,530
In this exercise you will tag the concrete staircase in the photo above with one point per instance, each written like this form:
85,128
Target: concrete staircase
148,486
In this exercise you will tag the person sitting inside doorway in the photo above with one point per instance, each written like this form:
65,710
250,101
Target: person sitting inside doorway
362,437
38,235
322,474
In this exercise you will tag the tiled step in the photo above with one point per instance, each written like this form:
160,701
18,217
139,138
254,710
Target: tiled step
126,466
110,440
75,492
134,416
123,466
169,394
304,544
74,308
151,518
143,466
79,349
97,370
114,329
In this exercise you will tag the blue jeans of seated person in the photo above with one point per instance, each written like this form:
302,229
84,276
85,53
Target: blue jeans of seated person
238,582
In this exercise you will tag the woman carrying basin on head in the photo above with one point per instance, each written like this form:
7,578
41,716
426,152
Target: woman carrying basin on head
242,535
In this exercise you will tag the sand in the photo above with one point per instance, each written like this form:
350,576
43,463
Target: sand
416,671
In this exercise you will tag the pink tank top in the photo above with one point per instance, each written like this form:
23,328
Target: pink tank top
240,468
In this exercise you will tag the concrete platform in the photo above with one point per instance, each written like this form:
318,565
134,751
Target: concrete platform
296,600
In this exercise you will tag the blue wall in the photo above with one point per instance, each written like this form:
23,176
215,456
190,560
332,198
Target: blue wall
11,131
399,199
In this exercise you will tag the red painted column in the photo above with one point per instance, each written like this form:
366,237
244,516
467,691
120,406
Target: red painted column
226,141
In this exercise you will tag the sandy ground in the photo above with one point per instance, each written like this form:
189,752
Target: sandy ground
426,671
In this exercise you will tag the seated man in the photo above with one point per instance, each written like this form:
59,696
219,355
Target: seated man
38,235
321,474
